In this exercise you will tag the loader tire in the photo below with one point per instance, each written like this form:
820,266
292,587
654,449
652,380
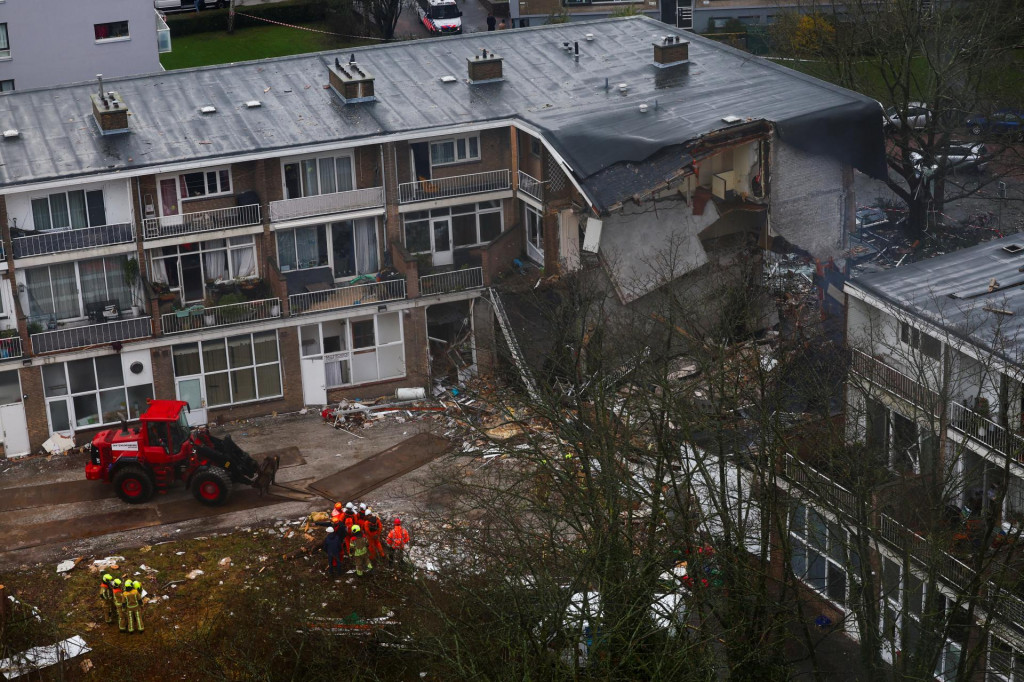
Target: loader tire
212,486
133,484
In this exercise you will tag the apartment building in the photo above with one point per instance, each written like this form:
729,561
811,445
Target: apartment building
63,41
257,237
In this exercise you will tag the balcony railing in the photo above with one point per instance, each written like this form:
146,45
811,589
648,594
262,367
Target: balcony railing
200,317
447,282
531,186
201,221
894,381
163,34
59,241
949,567
986,431
820,485
326,204
10,348
457,186
347,297
91,335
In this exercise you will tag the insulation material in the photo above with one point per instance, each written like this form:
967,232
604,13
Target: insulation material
41,657
808,200
645,248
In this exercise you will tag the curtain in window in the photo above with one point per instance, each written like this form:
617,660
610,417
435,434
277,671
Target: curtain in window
117,288
332,374
328,183
243,261
59,211
265,347
366,245
65,291
41,214
159,270
310,187
306,247
4,45
286,250
40,298
215,265
344,168
76,204
94,281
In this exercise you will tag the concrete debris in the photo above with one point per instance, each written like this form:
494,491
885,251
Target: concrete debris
68,564
194,574
107,564
147,569
41,657
58,444
225,562
86,665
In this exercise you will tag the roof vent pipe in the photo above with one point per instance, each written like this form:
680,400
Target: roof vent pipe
99,77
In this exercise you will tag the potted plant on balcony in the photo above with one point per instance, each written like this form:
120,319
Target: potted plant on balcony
131,280
234,308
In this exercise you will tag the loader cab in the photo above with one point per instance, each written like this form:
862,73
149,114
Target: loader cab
166,430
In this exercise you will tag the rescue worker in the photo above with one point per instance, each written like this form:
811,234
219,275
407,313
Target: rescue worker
349,522
397,540
133,605
118,595
107,595
360,551
332,546
336,514
373,532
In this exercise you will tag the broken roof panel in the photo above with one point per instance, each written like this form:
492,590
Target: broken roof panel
592,127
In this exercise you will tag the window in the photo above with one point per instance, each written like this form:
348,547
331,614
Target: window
204,183
5,45
915,338
535,147
456,150
236,369
349,247
113,30
471,224
10,388
63,210
7,85
91,392
322,175
1005,663
820,550
61,292
356,351
188,268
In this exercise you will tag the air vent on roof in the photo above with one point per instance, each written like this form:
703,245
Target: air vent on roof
109,110
351,82
208,109
671,50
11,133
449,79
253,104
484,67
589,36
731,119
1013,248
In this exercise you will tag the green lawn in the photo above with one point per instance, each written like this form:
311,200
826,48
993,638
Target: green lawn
219,47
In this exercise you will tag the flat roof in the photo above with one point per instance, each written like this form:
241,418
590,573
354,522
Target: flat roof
952,293
593,127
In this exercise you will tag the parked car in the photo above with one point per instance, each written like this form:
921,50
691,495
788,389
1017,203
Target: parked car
183,5
871,216
918,115
958,156
1003,122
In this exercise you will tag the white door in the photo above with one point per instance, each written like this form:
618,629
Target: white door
441,234
569,240
15,429
191,391
314,386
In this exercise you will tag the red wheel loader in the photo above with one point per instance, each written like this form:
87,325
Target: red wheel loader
143,459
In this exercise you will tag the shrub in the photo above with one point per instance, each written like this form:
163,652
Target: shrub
288,12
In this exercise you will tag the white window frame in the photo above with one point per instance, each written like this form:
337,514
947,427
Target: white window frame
328,232
65,201
916,339
304,190
82,313
426,217
802,537
228,247
179,183
347,354
465,154
5,42
68,398
112,39
230,369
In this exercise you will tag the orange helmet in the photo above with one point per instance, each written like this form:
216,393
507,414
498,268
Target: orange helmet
337,505
398,522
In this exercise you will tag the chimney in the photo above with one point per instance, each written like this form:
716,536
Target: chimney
109,109
484,67
671,50
350,81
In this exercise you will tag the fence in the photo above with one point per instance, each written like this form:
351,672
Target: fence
447,282
91,335
325,204
201,221
347,297
59,241
459,185
200,317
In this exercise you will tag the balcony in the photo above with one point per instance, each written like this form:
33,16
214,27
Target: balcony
457,186
819,485
59,241
531,186
91,335
10,348
347,297
201,221
163,34
447,282
200,317
982,430
893,381
326,204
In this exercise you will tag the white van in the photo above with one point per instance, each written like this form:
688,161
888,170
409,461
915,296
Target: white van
441,17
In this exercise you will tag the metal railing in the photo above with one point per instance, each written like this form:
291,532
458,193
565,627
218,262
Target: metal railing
325,204
347,297
531,186
206,317
986,431
456,186
10,348
893,380
201,221
456,280
91,335
949,567
59,241
163,34
819,485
